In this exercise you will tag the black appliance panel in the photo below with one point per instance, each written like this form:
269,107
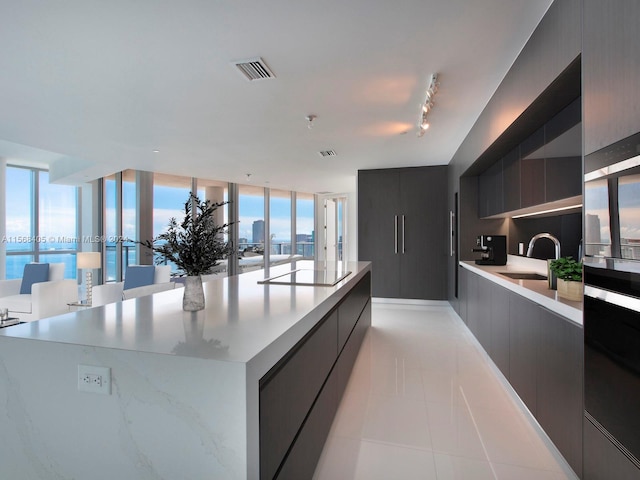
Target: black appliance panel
612,357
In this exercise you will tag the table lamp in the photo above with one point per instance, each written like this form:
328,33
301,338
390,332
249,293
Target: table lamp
88,261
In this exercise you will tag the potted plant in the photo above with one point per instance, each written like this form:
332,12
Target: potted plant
195,246
569,274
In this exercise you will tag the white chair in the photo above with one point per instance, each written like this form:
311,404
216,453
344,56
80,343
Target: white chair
115,292
46,299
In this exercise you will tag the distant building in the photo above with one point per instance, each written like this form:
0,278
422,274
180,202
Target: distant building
304,238
258,231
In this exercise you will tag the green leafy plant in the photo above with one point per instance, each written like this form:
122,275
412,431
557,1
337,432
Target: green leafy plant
196,244
567,268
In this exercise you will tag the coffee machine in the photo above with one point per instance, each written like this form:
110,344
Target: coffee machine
492,248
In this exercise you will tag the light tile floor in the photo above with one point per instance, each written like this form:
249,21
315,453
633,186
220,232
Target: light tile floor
424,401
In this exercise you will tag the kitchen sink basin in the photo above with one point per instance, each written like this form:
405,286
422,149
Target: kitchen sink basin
523,275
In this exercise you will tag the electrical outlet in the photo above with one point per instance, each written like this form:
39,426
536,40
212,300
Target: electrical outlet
94,379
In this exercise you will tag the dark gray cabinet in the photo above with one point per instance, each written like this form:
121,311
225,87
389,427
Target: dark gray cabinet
500,328
611,71
484,307
528,182
483,312
490,193
473,303
602,459
287,395
539,352
563,179
559,403
542,168
402,230
523,346
532,184
463,295
511,180
378,228
300,394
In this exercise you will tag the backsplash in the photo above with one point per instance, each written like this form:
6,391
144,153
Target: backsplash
566,228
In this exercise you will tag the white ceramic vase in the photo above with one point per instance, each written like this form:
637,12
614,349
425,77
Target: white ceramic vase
193,299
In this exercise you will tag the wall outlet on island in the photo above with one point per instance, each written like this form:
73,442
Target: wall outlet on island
94,379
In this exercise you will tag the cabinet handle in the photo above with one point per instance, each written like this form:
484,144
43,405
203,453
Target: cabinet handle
452,220
402,233
395,233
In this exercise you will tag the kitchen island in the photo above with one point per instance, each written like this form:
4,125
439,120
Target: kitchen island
186,393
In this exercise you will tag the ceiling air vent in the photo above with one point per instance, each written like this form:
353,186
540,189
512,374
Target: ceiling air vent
327,153
254,69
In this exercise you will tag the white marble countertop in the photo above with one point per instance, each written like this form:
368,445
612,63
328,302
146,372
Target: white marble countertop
535,290
240,320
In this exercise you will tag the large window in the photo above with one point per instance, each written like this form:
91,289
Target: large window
251,216
120,222
41,221
129,218
305,214
111,227
169,194
280,223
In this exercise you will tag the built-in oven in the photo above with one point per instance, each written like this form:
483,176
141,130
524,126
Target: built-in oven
612,354
612,296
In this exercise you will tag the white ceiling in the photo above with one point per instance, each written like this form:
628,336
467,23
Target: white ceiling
97,86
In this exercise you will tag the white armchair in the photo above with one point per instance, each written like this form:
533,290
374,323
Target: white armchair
115,292
46,299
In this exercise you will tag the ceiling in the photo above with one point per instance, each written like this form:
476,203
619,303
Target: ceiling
91,87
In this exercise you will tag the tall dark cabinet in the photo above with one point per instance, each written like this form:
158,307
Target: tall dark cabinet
402,230
611,72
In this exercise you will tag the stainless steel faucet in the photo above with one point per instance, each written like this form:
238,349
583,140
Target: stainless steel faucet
555,241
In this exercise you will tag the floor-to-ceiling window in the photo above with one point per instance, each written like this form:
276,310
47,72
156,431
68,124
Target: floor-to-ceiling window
41,221
251,219
170,192
305,235
280,223
129,218
111,228
120,222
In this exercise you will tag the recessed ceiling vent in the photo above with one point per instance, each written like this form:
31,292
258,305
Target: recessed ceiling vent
254,69
327,153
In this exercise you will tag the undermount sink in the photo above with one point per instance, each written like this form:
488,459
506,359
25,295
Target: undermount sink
523,275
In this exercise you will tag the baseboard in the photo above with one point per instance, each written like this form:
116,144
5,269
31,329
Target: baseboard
412,301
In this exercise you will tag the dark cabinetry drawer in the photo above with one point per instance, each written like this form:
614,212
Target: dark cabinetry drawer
300,394
349,310
289,390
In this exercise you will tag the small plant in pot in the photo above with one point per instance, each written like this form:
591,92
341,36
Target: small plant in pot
195,246
569,274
